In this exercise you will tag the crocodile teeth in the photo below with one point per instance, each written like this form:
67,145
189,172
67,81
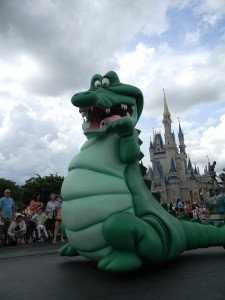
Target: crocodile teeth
133,108
102,124
91,108
124,106
107,111
83,114
86,126
128,114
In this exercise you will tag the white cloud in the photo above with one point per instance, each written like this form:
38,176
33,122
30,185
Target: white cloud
192,38
212,10
209,144
38,141
211,121
188,78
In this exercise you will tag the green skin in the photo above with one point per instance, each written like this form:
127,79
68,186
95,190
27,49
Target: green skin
109,214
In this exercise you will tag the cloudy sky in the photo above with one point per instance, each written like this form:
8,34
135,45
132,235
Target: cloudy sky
50,49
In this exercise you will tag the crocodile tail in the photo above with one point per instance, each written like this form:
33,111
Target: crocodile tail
200,235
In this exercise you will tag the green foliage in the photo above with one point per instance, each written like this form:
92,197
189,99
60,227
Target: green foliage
20,206
15,189
43,185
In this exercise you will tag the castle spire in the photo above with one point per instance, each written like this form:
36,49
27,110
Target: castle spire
169,140
189,164
192,175
182,145
166,109
180,133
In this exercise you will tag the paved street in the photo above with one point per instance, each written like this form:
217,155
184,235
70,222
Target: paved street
36,271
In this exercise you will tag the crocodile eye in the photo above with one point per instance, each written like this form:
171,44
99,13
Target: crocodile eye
98,84
105,82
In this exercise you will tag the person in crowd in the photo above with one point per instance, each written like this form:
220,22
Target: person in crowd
189,210
7,206
201,211
17,229
40,219
35,203
58,219
51,211
179,207
170,207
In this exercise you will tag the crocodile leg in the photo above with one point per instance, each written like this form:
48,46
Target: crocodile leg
133,242
68,250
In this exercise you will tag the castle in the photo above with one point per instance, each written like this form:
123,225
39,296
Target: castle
172,173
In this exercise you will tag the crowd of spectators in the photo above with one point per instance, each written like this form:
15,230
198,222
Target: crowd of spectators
38,222
213,204
35,223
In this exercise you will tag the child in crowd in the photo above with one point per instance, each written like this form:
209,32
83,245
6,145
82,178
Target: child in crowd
40,218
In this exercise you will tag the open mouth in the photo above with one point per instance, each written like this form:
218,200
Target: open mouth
95,117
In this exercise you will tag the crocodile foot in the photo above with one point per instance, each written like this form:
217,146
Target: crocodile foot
120,261
68,250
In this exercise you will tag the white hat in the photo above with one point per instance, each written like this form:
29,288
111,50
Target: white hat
18,215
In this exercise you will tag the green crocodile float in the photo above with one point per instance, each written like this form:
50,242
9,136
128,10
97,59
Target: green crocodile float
109,214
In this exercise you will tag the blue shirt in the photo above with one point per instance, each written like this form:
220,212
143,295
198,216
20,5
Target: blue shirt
179,205
6,205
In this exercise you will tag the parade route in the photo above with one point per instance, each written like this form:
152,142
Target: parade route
37,272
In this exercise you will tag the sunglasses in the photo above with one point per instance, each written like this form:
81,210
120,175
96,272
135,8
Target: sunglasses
8,192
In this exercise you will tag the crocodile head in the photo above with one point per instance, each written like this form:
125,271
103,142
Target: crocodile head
107,101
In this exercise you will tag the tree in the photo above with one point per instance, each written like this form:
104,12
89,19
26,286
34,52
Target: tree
16,191
44,185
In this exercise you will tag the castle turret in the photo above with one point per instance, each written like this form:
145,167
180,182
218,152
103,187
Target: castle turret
182,146
173,181
169,140
189,167
183,154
